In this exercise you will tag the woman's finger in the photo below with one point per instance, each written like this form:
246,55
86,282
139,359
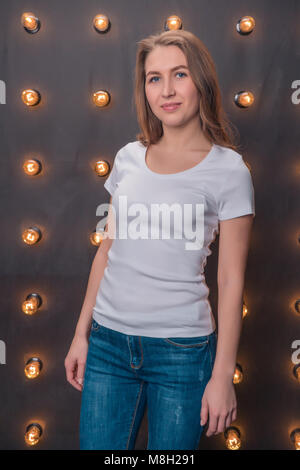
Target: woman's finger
70,372
80,373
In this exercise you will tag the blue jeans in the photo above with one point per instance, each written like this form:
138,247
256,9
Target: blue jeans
123,373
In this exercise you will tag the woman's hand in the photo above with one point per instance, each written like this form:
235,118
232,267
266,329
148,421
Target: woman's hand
219,402
75,361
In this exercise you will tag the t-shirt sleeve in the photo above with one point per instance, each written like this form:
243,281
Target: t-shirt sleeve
236,196
113,177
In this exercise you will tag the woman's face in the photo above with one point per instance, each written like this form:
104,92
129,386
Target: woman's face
170,86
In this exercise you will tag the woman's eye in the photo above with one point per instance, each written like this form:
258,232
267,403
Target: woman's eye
152,79
182,73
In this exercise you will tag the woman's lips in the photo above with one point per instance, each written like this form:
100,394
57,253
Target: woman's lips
170,107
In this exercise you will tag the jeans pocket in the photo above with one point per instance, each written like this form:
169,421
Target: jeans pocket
95,326
195,342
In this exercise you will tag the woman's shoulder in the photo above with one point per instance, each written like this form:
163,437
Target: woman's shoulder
227,157
131,146
129,152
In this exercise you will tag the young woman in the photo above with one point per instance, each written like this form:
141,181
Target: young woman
146,336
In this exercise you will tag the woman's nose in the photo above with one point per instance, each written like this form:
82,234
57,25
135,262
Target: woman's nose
168,88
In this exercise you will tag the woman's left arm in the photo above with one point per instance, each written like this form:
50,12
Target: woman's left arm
219,400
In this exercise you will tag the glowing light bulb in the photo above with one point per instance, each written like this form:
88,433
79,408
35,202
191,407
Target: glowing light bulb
245,25
101,98
31,97
30,22
244,99
295,438
232,436
33,434
31,304
31,235
297,306
33,367
173,22
97,237
238,374
296,371
101,23
245,310
101,167
32,167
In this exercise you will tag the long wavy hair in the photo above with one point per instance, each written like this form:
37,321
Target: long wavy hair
213,120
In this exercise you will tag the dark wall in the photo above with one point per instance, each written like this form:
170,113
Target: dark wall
67,61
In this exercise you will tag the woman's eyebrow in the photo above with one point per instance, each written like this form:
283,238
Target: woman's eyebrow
174,68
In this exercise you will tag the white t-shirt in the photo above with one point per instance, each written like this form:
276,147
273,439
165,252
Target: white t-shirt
156,286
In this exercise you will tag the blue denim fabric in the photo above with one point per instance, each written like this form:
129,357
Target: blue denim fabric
124,373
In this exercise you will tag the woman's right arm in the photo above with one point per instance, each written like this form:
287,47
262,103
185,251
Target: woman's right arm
76,357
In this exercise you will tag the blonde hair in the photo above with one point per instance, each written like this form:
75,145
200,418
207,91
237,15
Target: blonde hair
213,120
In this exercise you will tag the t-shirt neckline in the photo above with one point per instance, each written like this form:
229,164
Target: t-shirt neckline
199,165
